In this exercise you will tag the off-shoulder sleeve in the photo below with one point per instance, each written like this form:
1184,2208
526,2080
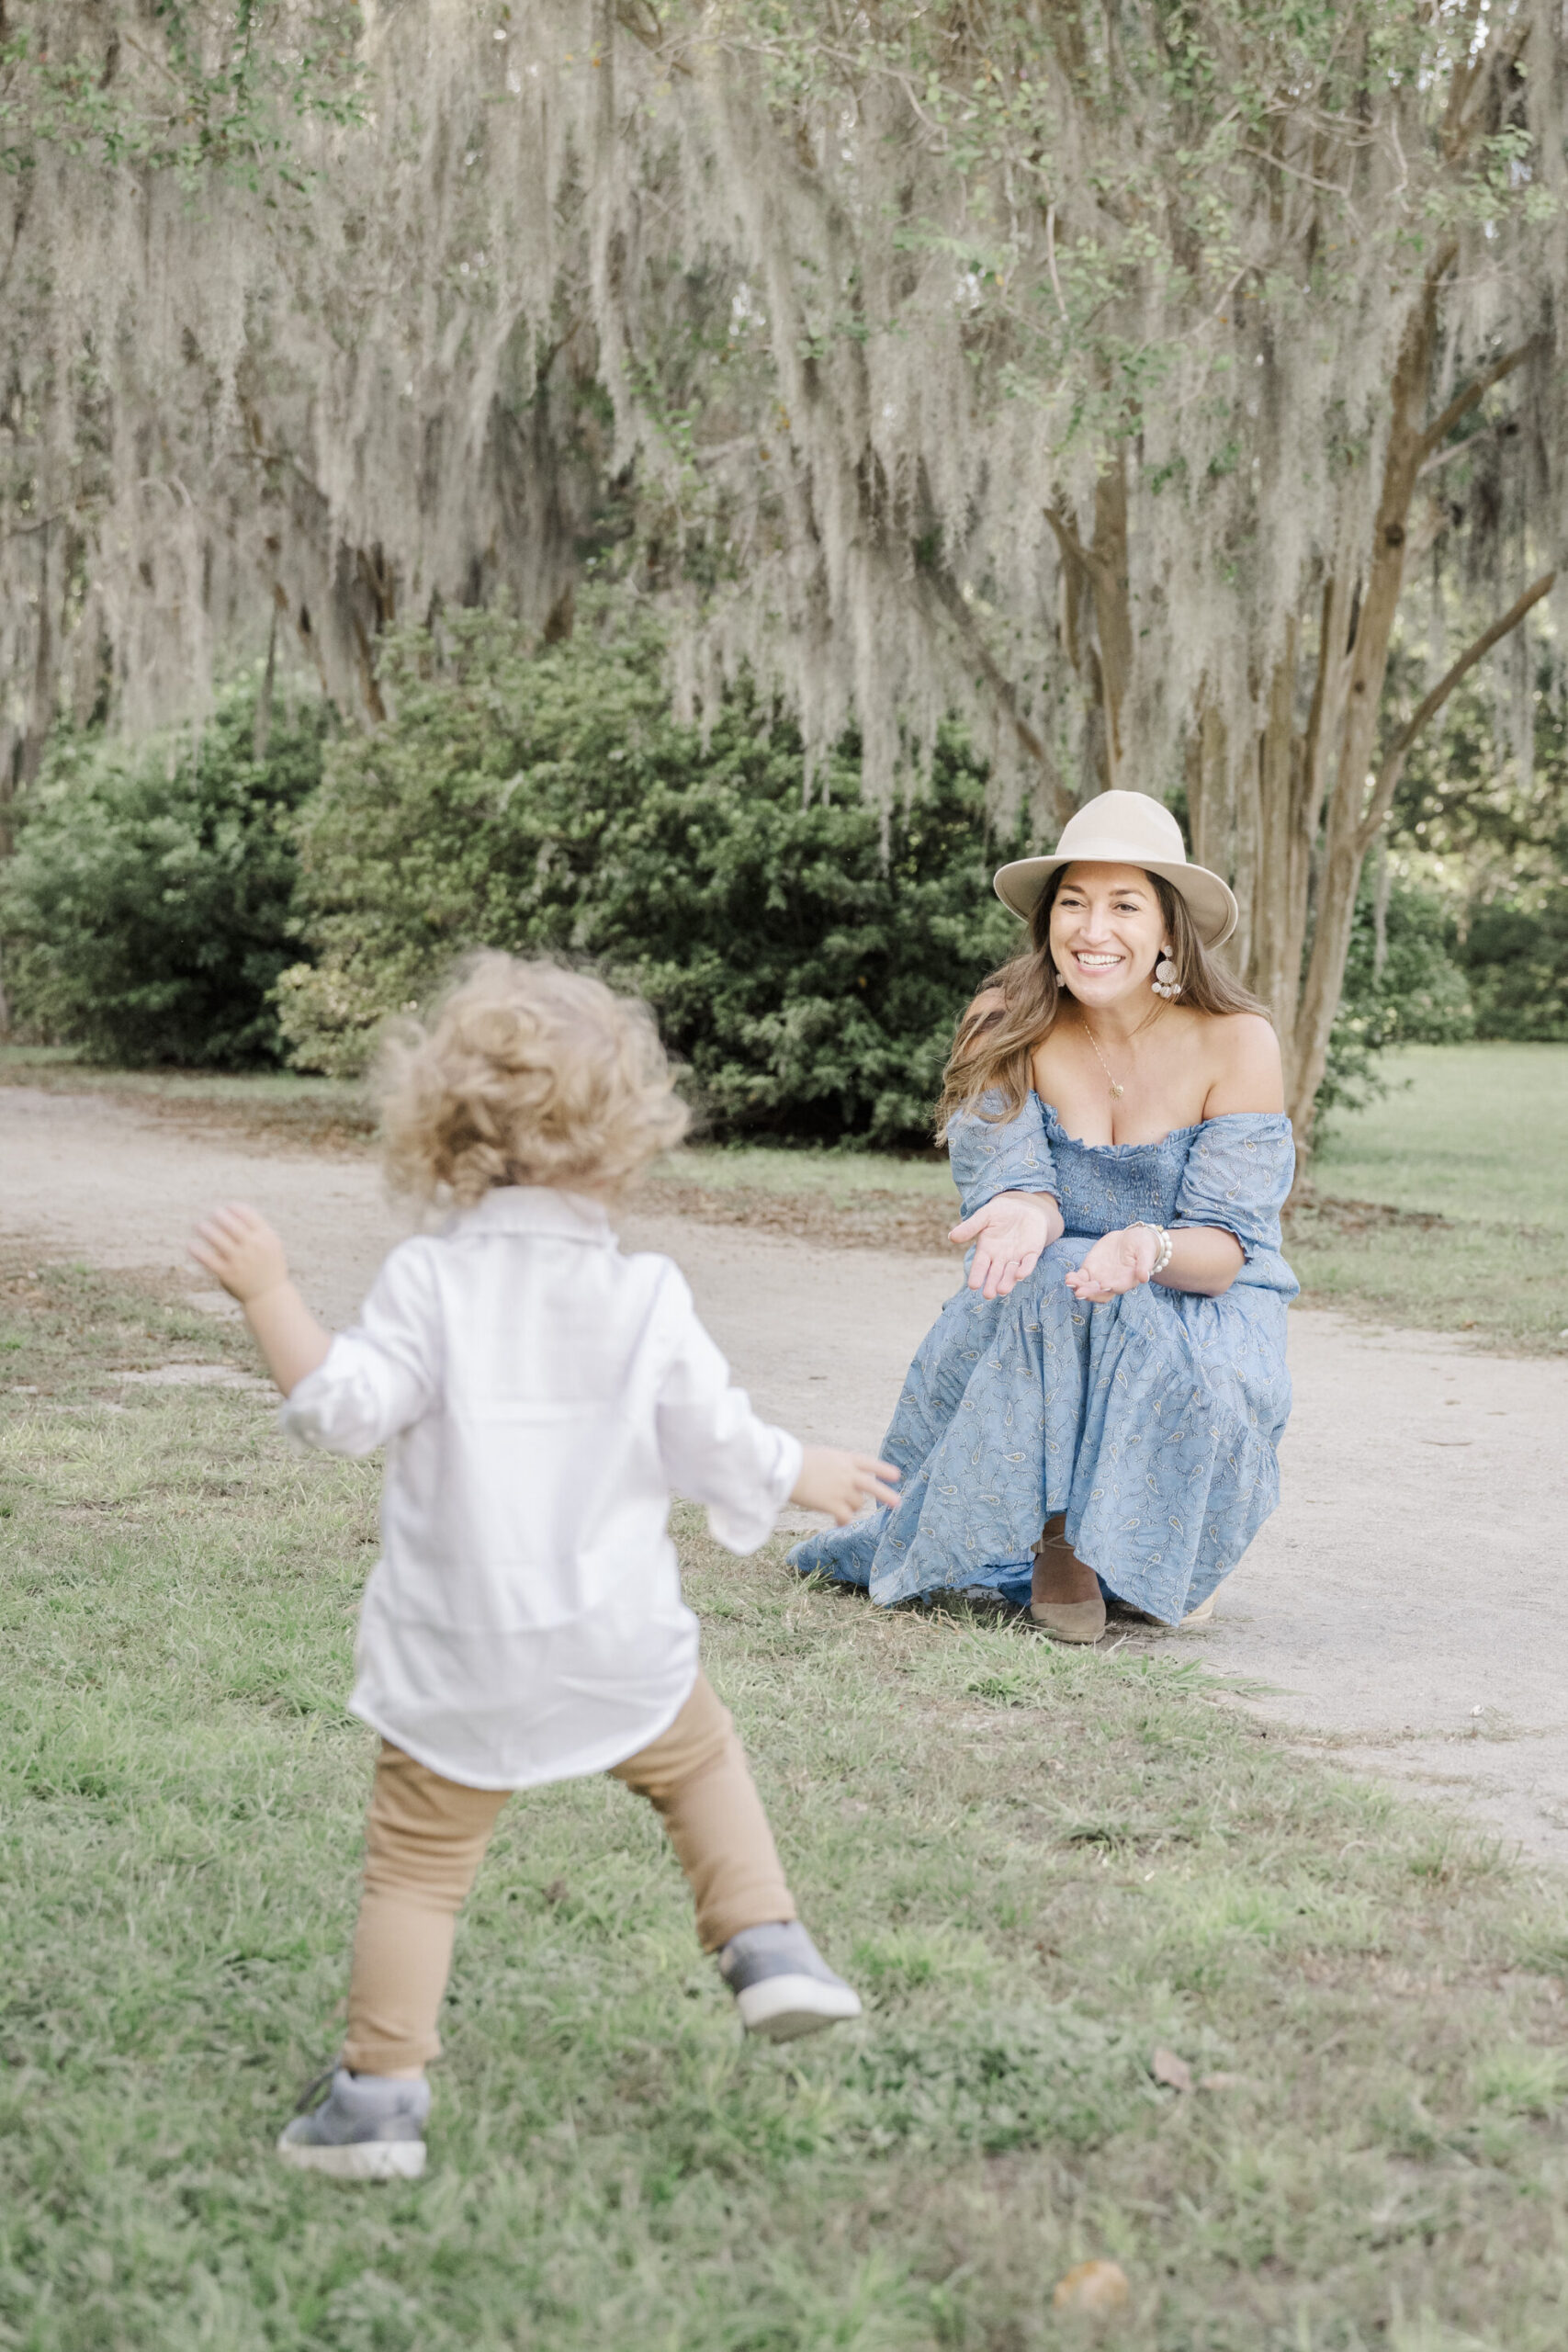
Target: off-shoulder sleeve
382,1373
992,1155
1238,1176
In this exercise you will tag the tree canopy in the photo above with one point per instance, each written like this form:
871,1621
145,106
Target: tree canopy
1112,373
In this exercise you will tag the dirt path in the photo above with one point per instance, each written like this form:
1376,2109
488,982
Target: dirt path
1405,1606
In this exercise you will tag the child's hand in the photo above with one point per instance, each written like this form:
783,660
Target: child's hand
242,1250
248,1259
833,1480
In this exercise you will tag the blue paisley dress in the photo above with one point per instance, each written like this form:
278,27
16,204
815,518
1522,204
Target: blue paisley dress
1152,1421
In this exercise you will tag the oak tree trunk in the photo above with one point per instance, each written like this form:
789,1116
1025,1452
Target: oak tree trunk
1290,817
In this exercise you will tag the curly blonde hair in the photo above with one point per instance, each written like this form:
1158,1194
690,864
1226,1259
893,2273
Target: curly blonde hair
525,1074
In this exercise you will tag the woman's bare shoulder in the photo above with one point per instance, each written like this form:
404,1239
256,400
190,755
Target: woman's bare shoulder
1247,1073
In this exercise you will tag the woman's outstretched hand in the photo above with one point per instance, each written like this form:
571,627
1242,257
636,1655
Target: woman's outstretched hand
1118,1262
1009,1233
832,1480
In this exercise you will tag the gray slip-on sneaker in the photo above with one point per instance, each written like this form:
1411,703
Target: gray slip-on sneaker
368,2127
782,1985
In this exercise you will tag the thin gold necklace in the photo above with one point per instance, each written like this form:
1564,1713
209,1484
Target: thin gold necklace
1117,1089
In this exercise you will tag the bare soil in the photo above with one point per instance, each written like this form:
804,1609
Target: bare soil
1404,1610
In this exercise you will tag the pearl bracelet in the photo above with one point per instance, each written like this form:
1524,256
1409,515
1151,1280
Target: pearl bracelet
1163,1246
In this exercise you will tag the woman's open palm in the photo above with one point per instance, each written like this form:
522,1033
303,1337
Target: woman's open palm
1118,1262
1009,1233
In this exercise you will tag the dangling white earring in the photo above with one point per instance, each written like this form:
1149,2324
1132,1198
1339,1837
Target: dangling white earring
1166,981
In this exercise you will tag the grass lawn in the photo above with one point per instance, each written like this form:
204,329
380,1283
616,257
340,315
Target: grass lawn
1040,1866
1462,1131
1444,1204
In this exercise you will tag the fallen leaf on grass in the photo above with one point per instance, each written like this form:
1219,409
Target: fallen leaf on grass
1092,2287
1219,2082
1174,2071
556,1890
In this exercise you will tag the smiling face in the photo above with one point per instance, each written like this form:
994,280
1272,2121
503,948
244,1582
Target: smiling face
1107,932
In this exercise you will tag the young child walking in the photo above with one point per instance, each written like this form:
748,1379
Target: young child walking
541,1395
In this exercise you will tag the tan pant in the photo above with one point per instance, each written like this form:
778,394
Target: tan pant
425,1837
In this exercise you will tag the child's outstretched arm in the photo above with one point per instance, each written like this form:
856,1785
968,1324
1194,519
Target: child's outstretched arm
832,1480
246,1255
717,1451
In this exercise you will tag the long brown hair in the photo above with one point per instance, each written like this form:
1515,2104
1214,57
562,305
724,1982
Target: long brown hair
995,1047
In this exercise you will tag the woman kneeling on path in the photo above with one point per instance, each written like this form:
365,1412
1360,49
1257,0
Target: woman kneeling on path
1098,1410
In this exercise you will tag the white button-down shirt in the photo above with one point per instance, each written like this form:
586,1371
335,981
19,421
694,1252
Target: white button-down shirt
540,1394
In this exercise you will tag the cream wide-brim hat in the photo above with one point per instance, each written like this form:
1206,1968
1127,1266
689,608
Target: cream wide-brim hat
1126,828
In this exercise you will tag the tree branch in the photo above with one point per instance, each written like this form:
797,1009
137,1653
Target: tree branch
30,530
1451,449
1423,537
1279,163
640,18
157,63
1394,758
1071,545
950,596
1500,54
1050,258
1438,431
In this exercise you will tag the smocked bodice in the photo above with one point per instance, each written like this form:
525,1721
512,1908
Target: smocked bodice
1234,1172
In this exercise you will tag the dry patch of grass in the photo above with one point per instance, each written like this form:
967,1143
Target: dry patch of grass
60,1324
1499,1284
273,1109
1042,1866
874,1216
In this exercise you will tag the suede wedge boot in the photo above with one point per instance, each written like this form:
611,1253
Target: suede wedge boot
1056,1562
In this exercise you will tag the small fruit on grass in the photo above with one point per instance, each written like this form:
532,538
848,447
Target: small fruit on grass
1092,2287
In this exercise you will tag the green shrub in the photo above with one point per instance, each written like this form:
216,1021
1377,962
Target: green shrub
807,964
546,801
148,910
1419,997
1515,959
